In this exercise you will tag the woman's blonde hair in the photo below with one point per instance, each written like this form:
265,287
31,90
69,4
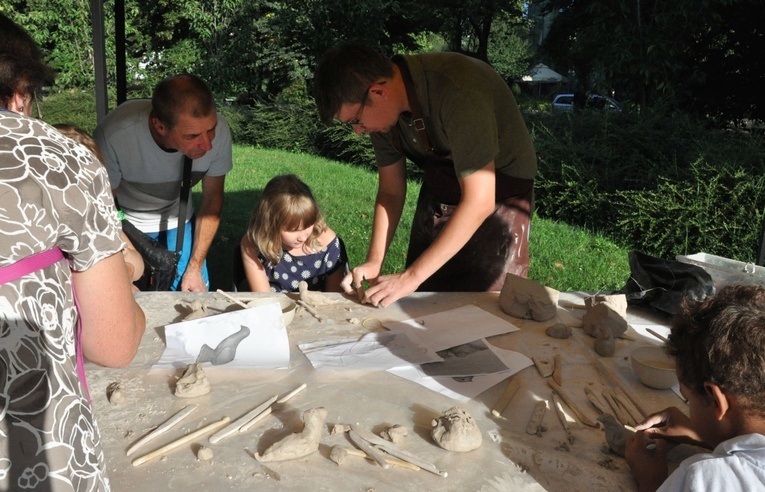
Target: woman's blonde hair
286,204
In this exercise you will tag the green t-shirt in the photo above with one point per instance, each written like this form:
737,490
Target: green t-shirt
470,113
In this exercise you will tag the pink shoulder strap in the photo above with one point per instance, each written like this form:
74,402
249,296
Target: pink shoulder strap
38,261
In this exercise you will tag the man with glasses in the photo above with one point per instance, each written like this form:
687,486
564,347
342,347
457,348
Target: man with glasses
145,143
455,118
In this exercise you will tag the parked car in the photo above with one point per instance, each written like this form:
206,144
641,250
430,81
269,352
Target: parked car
565,102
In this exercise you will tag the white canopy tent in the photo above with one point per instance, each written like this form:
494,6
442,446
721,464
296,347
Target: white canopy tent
541,73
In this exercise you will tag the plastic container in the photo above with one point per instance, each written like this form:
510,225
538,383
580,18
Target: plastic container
725,271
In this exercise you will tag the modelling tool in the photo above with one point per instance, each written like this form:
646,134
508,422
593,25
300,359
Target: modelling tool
180,442
162,428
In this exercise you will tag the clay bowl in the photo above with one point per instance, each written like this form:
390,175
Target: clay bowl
653,367
288,306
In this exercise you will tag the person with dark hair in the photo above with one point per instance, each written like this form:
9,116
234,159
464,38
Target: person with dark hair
457,119
64,291
719,350
145,144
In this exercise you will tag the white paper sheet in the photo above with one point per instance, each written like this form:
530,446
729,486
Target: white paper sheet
464,389
376,351
249,338
454,327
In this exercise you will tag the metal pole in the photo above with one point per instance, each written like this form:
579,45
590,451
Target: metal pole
99,58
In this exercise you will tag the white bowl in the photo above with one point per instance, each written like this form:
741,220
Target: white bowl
288,306
653,367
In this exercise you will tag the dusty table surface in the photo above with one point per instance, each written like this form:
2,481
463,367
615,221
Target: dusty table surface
509,458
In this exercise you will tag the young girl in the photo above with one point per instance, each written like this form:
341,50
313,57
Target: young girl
288,241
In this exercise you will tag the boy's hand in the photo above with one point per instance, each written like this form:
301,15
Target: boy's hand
671,424
647,458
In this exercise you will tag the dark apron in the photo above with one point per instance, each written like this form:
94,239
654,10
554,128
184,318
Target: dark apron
498,247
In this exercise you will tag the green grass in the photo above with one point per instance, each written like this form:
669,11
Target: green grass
562,257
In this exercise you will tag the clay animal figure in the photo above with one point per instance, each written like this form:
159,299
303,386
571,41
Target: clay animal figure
313,298
604,342
193,382
301,443
198,310
526,299
616,433
226,349
456,430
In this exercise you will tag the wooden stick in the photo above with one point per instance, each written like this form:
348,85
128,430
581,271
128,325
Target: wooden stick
624,400
557,369
310,309
249,425
265,413
559,411
600,405
362,454
537,415
510,391
618,412
570,402
234,426
232,299
162,428
180,442
368,449
657,335
391,449
291,393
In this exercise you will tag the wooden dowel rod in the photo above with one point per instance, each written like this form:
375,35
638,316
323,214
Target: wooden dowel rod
512,388
180,442
162,428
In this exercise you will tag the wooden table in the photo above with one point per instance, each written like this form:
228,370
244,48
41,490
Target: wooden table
509,458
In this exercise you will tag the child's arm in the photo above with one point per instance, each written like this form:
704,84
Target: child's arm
253,268
673,425
649,466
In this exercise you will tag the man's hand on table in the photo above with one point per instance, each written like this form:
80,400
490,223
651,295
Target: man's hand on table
192,281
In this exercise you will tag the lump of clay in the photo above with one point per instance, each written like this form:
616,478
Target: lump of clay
456,430
205,454
301,443
558,330
605,310
115,392
193,382
616,433
395,434
526,299
198,309
226,349
604,342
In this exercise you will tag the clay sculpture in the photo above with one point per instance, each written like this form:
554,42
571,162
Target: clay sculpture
616,433
456,430
193,382
298,444
609,311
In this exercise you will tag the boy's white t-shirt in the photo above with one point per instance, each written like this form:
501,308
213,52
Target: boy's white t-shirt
737,464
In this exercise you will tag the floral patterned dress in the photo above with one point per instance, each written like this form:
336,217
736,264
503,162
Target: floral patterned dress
52,194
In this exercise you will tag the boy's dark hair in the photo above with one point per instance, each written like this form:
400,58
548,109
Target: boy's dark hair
181,94
344,74
721,339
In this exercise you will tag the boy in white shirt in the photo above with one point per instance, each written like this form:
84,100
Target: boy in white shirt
719,350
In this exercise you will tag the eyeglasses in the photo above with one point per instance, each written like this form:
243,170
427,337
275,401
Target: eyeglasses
357,119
